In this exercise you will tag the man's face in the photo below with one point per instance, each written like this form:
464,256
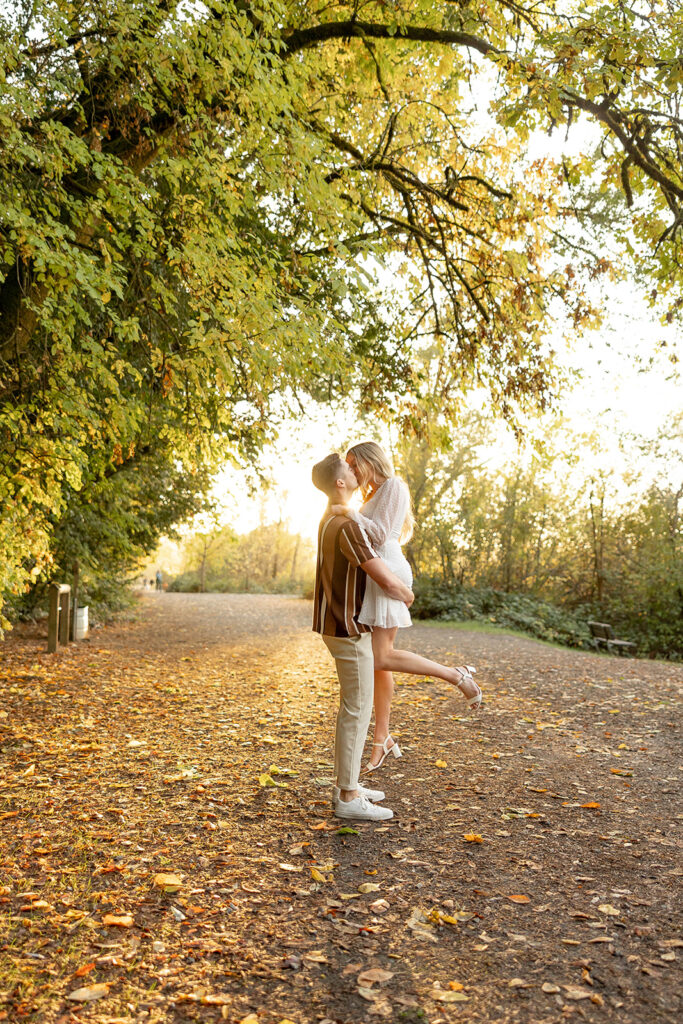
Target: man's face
348,475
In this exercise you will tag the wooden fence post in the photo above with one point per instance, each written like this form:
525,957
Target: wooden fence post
58,618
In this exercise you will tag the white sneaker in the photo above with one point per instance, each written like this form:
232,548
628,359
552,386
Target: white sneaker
374,795
361,809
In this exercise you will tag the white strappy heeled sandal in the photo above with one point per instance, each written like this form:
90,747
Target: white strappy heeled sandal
466,677
393,749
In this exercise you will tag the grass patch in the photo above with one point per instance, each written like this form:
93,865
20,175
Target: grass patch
477,626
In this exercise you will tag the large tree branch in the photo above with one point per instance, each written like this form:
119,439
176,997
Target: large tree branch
638,155
303,38
300,39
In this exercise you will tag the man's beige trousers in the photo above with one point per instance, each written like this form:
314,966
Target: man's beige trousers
355,670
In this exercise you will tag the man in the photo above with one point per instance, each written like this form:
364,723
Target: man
345,556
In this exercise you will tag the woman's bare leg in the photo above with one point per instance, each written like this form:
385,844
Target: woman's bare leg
387,659
384,693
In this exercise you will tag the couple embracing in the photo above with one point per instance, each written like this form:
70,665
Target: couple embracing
362,596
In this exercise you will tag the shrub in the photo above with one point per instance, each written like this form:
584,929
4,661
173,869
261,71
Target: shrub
437,600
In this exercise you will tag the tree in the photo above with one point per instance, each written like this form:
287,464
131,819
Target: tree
267,559
114,519
195,201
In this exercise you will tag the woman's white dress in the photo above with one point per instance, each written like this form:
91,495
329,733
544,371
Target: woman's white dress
382,517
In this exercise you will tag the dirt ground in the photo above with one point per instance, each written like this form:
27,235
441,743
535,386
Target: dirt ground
531,872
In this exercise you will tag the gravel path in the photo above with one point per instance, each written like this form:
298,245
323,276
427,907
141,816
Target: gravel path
531,873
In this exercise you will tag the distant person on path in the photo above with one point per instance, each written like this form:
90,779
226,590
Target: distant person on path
387,520
159,579
345,561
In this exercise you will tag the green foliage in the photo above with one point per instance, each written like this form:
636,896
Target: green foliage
111,523
435,599
539,545
195,202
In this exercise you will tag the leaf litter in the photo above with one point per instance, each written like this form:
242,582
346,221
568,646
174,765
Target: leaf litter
165,803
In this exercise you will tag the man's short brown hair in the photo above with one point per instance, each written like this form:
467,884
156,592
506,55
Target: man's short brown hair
326,473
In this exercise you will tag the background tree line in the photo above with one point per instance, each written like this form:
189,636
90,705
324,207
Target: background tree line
269,559
557,537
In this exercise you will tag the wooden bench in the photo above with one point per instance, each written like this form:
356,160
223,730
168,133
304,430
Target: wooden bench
603,636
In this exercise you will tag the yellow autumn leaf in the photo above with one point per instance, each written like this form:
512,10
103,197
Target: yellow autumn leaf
456,986
473,837
317,876
455,918
441,764
266,780
591,805
609,910
369,887
167,882
519,899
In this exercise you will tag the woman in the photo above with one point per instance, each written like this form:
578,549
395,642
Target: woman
386,518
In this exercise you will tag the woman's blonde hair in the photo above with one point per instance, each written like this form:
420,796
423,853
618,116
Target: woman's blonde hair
369,456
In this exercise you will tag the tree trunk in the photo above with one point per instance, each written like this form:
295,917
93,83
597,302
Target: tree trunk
292,570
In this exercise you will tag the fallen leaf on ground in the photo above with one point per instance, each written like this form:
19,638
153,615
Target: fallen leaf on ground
85,969
441,764
317,876
118,920
167,882
609,910
375,975
455,918
473,837
442,995
518,983
519,899
576,992
549,988
369,887
266,780
316,956
88,994
420,926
